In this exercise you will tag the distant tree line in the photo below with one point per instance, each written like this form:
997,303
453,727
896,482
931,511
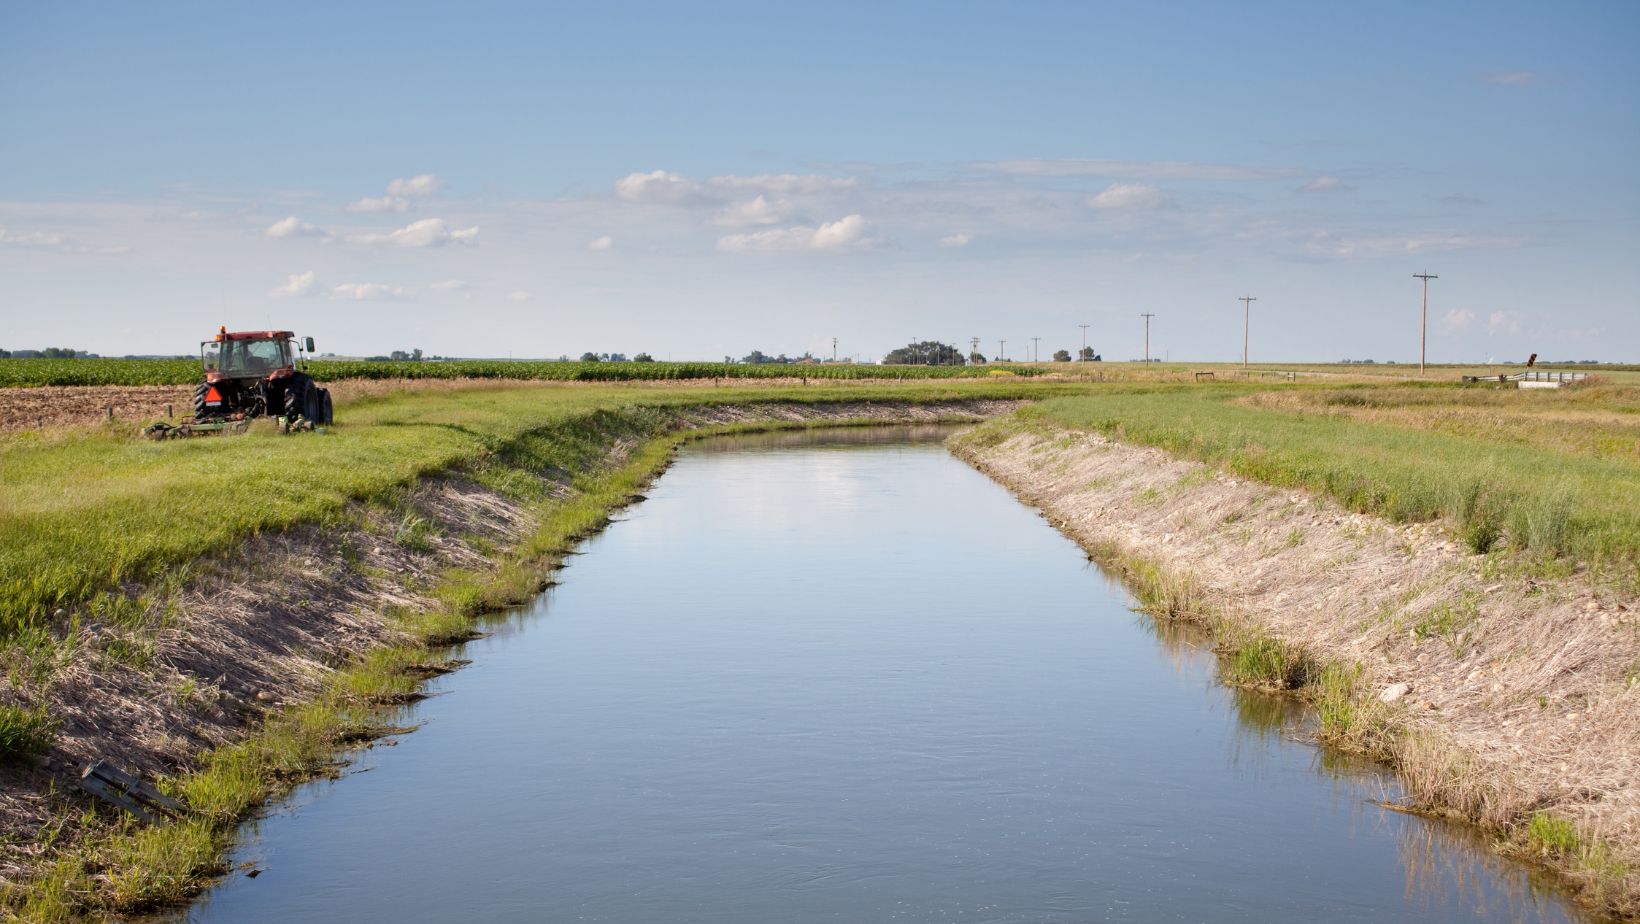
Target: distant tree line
590,357
760,358
926,353
48,353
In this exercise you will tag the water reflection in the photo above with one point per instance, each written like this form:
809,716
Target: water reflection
833,438
1452,864
812,682
1444,864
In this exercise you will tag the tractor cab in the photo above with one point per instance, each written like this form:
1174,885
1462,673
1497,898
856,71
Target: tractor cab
257,354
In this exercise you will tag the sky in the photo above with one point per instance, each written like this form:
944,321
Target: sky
702,180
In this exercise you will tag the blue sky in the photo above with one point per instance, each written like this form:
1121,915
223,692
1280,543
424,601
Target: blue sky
702,180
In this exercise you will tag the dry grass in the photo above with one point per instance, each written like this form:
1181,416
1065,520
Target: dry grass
1525,695
1594,420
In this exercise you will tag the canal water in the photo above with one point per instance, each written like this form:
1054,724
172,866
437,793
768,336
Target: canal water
843,677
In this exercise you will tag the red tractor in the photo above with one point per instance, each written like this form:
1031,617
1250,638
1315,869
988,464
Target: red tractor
258,373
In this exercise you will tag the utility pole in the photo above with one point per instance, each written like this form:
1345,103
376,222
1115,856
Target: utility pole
1147,318
1246,324
973,345
1001,345
1423,321
1036,349
1083,356
834,349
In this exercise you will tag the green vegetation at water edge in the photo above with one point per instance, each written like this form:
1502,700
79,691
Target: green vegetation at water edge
16,373
123,866
1500,483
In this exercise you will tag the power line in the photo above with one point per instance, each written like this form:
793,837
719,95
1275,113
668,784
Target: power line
1423,321
1147,318
1246,325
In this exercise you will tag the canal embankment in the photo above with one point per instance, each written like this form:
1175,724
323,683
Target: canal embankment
1503,697
840,675
248,670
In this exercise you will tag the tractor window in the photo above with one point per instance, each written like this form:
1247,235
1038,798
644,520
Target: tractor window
246,357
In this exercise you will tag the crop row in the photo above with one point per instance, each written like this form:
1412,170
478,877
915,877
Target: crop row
16,373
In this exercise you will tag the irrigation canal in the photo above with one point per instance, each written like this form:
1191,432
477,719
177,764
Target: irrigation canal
843,677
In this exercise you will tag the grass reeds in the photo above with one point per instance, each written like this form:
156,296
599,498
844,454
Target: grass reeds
1517,480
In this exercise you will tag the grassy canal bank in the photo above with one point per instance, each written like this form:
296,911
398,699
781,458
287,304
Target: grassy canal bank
223,615
164,599
1448,575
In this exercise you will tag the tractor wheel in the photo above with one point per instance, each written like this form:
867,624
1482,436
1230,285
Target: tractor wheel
314,409
297,400
199,400
327,415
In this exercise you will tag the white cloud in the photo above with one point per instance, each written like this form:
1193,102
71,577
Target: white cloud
297,285
367,291
1510,78
48,239
1455,241
428,232
1458,319
424,184
785,183
779,239
1323,184
657,186
379,204
1326,243
602,242
846,232
1131,169
1127,196
663,186
960,239
758,211
399,194
451,285
53,240
520,295
291,226
1503,322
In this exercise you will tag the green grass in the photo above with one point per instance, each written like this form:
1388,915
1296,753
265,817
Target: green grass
1268,663
25,731
1573,504
15,373
85,511
1552,835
